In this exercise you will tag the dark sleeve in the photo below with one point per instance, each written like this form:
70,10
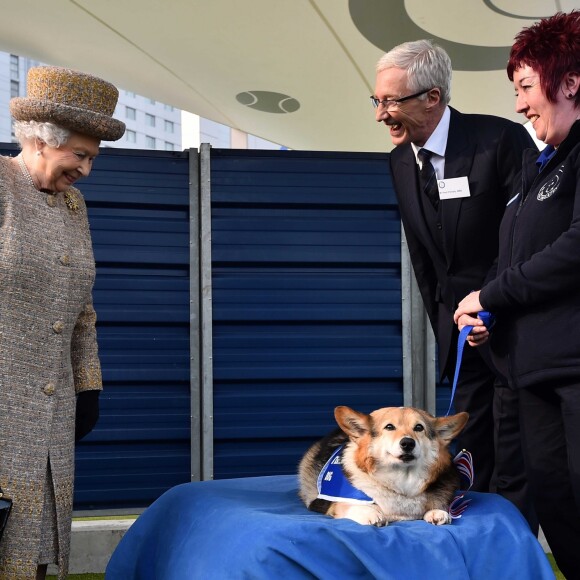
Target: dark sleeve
421,263
549,273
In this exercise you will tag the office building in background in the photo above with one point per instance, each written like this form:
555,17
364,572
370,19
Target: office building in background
150,124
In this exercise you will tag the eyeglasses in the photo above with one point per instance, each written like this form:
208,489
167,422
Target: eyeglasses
390,103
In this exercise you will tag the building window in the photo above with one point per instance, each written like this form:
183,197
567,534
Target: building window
130,94
169,108
152,101
169,146
150,142
130,113
169,126
14,89
130,136
150,120
14,67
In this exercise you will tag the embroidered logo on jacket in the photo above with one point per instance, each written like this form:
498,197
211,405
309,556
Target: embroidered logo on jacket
549,188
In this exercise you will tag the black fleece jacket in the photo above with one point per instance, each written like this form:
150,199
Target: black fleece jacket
536,292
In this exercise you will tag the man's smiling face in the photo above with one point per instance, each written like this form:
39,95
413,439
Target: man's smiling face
408,121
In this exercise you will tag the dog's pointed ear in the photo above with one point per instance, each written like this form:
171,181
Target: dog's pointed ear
449,427
353,423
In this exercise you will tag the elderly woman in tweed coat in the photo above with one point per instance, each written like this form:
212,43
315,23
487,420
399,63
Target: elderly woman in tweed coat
50,374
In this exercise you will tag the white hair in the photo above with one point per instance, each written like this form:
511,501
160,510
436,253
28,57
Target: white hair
52,135
427,65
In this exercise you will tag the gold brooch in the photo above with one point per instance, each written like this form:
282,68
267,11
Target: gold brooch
71,200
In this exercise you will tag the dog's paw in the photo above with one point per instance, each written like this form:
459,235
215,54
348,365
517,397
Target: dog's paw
437,517
366,515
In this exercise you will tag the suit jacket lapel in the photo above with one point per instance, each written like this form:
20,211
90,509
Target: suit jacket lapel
459,155
408,187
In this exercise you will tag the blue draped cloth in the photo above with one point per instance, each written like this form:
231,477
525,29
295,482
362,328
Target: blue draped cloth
258,528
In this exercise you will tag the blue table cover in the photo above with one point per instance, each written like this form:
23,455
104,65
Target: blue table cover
257,528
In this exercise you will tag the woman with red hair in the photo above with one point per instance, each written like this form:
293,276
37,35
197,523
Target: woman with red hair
535,293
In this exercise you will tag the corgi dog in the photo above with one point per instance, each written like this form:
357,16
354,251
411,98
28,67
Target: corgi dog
389,466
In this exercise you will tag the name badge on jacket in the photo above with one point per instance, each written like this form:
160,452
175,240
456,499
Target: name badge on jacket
453,188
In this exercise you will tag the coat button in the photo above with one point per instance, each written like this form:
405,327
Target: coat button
51,200
58,326
49,389
65,260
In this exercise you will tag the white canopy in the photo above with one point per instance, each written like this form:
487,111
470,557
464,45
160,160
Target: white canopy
296,72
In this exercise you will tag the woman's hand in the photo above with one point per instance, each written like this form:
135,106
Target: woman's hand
479,333
466,315
469,305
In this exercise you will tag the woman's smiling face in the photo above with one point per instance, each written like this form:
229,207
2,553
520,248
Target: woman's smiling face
551,120
57,169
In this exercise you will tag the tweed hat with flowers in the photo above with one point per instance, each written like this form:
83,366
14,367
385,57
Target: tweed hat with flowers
74,100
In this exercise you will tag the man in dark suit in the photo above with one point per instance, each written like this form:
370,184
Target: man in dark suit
453,239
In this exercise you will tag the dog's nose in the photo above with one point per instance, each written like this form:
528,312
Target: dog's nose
407,444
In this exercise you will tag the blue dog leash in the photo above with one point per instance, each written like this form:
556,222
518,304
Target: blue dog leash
488,320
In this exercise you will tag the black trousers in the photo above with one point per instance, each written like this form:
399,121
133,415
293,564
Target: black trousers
492,434
550,422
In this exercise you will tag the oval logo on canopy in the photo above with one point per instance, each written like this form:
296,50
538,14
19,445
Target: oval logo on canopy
268,102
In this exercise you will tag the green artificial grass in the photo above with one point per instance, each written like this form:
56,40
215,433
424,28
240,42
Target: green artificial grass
559,575
81,577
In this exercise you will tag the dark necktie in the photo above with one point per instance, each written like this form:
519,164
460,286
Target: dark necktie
427,178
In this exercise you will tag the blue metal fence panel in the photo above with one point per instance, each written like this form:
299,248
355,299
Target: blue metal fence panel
306,300
306,311
138,203
138,212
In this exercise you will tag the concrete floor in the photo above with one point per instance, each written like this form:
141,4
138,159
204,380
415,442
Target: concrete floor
92,543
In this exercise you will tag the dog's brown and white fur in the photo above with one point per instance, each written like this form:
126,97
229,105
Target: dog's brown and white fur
398,456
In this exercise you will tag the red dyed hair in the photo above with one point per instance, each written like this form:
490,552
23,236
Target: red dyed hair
552,48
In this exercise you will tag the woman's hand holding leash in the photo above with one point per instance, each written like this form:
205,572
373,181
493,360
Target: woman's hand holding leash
479,333
464,316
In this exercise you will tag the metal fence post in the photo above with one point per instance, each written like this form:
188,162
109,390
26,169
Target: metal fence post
206,354
418,341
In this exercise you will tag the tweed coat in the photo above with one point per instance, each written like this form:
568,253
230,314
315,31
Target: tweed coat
48,354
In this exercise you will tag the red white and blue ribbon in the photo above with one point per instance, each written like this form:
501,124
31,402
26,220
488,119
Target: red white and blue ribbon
464,463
